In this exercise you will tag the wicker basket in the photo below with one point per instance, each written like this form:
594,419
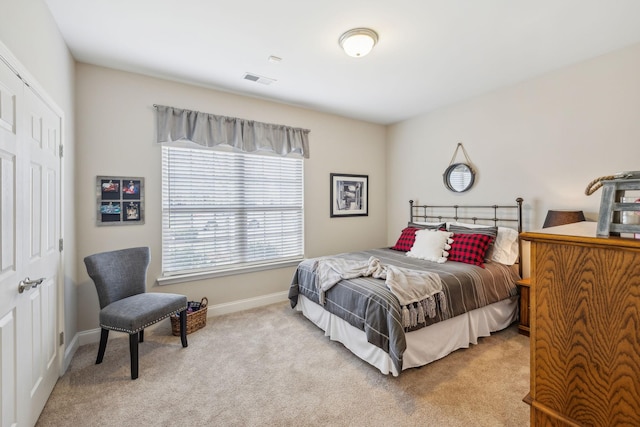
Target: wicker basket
197,319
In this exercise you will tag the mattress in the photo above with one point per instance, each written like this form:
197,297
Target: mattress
367,305
425,345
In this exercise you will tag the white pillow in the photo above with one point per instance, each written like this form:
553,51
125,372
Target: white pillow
505,248
431,245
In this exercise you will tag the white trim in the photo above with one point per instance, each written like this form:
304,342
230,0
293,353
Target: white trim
246,304
180,278
92,336
88,337
69,352
16,66
24,75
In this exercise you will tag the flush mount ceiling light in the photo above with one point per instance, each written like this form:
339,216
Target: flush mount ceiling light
358,42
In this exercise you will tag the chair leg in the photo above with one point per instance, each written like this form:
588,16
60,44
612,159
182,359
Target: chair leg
183,327
141,336
104,335
133,350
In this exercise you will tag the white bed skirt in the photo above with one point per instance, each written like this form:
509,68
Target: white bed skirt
424,345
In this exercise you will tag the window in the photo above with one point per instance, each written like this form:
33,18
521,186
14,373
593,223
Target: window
227,211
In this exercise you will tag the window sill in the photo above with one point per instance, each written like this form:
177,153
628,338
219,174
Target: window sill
180,278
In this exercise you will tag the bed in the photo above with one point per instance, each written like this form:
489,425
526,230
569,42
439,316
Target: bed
467,289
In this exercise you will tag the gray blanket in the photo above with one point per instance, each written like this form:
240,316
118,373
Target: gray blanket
368,304
410,287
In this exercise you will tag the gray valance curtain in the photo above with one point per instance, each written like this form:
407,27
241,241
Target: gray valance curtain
210,130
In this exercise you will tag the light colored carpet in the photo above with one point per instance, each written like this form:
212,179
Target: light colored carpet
271,366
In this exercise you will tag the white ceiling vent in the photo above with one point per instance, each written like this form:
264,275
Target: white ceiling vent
258,79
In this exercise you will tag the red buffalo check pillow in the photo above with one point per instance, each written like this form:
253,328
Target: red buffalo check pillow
470,248
406,240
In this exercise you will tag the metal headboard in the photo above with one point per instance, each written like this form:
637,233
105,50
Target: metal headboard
466,213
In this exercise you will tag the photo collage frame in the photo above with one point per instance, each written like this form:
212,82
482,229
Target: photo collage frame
120,200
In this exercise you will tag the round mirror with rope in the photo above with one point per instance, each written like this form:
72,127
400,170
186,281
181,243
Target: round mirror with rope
459,177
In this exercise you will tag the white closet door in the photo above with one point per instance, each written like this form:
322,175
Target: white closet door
30,230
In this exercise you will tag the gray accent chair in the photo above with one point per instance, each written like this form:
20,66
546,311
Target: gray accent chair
121,279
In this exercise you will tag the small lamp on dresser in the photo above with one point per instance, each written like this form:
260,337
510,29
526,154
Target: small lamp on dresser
556,217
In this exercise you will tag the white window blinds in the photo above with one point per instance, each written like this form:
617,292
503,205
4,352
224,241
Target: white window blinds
228,210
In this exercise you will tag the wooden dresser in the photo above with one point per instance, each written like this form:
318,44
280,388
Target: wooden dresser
585,328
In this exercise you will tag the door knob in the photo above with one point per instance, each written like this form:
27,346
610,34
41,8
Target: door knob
27,284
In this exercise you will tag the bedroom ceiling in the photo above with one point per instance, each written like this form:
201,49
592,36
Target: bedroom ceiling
430,52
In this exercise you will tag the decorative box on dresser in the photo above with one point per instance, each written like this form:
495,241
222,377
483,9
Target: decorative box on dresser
584,328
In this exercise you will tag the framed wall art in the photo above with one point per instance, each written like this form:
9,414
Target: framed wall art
120,200
349,195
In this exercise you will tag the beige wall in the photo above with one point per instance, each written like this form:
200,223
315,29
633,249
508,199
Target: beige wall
544,140
29,32
115,130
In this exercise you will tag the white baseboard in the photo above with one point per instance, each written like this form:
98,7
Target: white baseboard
246,304
79,339
92,336
89,336
69,351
